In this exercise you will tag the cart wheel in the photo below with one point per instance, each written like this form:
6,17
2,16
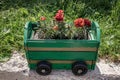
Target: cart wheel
43,68
79,68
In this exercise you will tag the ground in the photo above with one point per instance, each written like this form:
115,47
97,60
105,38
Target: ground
17,69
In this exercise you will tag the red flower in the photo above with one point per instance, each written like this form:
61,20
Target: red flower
87,22
55,28
79,22
60,11
42,18
59,16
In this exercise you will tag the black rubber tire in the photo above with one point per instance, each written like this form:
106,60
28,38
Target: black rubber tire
79,68
43,68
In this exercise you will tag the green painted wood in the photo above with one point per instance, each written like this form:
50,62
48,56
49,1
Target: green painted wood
27,55
27,32
93,66
59,66
62,55
62,43
96,29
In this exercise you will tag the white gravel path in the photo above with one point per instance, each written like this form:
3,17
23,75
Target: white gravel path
16,69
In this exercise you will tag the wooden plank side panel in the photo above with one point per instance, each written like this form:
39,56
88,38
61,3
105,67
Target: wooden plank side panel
59,55
62,43
60,49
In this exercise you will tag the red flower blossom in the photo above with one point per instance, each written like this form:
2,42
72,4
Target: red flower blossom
55,28
42,18
79,22
87,22
60,11
59,16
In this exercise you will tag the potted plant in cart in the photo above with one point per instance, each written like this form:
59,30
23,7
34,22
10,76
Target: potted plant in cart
61,45
59,29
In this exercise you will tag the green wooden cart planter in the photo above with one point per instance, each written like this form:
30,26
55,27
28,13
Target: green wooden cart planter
77,55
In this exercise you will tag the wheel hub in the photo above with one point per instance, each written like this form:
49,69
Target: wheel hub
79,71
43,71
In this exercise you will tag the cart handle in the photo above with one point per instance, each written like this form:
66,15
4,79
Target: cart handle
95,27
27,28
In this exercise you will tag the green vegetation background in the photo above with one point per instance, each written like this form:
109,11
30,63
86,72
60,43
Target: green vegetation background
15,13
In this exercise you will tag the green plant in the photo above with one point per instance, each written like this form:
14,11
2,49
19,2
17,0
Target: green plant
61,29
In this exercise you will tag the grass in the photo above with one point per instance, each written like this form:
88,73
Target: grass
15,13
